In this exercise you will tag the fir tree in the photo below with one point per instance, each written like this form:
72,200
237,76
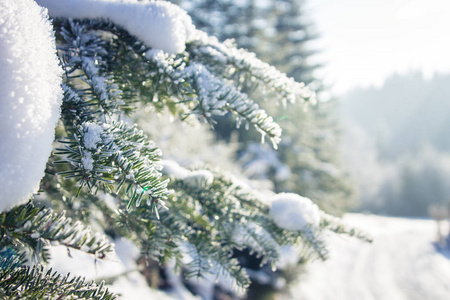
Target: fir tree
194,218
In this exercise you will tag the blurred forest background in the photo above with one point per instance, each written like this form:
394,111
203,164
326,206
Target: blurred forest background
397,144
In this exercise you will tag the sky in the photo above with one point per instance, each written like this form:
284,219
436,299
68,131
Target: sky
365,41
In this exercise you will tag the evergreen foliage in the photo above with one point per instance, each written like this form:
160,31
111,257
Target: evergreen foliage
106,173
35,228
23,282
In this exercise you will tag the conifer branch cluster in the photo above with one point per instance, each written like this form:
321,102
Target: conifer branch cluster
23,282
107,173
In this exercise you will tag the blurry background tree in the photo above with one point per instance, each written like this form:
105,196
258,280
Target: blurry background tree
397,144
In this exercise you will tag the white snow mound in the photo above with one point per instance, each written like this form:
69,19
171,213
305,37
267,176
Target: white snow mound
294,212
30,98
199,178
196,179
173,169
159,24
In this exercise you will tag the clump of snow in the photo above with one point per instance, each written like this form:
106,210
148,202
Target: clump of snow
173,169
87,160
294,212
92,135
156,55
83,264
199,178
159,24
30,98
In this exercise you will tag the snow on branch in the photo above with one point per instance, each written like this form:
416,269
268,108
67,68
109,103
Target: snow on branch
231,62
84,51
102,151
24,282
211,94
30,97
209,89
114,153
38,227
294,212
215,96
161,25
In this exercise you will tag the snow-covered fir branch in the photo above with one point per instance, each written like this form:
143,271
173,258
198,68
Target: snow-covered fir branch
24,282
107,151
117,57
159,24
38,227
238,64
224,58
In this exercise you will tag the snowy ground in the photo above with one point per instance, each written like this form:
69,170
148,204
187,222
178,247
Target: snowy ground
401,263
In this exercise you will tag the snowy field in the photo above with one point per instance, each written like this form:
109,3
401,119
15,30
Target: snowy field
401,263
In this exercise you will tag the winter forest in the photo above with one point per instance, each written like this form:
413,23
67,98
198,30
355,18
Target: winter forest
196,149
